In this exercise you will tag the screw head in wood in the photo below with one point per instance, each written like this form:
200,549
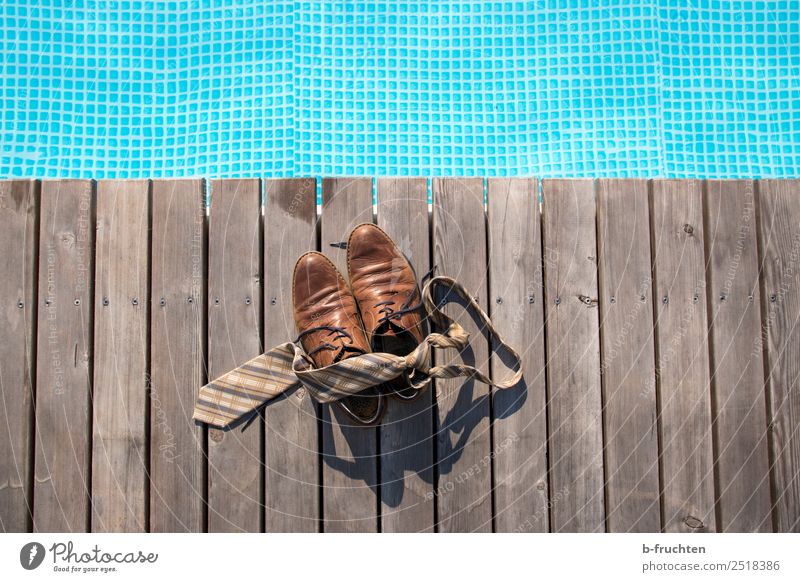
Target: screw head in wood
274,301
531,298
20,304
134,301
162,302
105,301
773,298
558,300
77,302
613,300
688,229
189,300
499,300
247,301
665,300
216,300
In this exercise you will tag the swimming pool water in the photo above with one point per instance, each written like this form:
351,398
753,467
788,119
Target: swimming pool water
115,89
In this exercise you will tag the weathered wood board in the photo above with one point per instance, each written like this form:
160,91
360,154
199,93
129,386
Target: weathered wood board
573,356
628,357
516,303
684,391
121,311
62,486
406,434
737,364
177,348
779,210
234,336
463,491
350,453
292,434
19,243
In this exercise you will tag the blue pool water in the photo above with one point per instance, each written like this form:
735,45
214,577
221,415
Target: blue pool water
103,89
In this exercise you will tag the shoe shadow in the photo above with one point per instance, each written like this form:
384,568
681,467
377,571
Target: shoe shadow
452,434
358,463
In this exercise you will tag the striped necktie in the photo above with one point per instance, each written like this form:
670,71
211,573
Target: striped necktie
238,393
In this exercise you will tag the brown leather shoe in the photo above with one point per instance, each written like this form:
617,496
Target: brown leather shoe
386,290
326,316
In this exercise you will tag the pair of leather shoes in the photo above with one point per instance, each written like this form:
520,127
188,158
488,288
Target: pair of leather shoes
379,312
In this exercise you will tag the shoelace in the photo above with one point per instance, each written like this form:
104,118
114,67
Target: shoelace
388,311
338,333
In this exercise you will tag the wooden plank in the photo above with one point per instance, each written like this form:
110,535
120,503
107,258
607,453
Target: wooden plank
737,365
121,312
463,490
406,435
628,356
63,368
19,215
234,337
177,347
779,209
684,394
516,300
350,459
573,356
292,436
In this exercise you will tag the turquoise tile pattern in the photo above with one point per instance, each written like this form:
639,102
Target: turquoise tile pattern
116,89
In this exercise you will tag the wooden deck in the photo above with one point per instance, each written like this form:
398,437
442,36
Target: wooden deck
658,323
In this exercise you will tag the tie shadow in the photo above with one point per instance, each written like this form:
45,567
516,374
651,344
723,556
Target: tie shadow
449,436
358,462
